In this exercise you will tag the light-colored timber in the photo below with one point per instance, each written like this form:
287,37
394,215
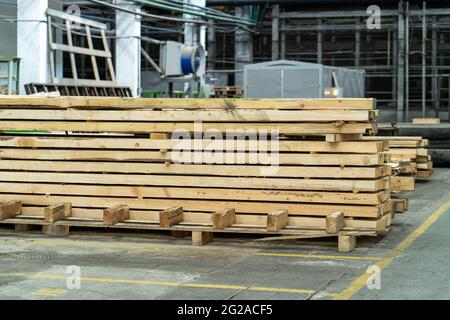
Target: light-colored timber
136,103
204,218
372,198
58,212
277,220
223,218
146,144
210,170
170,217
116,214
357,185
297,116
207,205
189,157
307,128
10,209
335,222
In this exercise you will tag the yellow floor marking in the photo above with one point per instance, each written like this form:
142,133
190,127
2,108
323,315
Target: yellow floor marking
154,248
50,292
174,284
317,256
361,281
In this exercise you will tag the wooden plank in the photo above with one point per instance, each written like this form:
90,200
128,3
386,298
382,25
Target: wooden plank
335,222
200,238
58,212
400,183
10,209
223,219
277,220
65,142
342,137
199,193
346,243
170,217
426,120
116,155
353,185
424,173
425,166
189,116
405,152
136,103
159,136
116,214
167,127
400,205
250,207
184,169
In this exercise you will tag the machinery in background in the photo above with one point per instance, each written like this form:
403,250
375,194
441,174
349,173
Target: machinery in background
295,79
9,75
180,63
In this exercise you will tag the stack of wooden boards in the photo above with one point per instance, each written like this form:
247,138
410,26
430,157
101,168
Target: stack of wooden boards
91,162
409,160
408,156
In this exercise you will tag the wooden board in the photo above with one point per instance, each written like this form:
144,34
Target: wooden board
57,212
189,116
163,127
64,142
357,185
209,170
10,209
137,103
399,183
139,192
315,159
426,120
116,214
277,220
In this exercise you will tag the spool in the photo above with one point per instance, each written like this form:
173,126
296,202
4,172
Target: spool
193,60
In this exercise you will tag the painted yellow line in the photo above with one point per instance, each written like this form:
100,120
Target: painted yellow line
317,256
171,284
154,248
49,292
361,281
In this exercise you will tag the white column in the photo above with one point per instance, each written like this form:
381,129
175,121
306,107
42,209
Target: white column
128,48
32,42
243,46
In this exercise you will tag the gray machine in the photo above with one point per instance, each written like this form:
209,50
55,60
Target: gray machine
294,79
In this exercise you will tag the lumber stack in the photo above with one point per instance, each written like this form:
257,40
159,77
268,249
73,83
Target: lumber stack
408,155
96,155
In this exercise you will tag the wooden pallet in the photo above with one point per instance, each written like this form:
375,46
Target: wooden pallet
58,219
228,92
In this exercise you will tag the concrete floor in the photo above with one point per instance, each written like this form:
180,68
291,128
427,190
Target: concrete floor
413,260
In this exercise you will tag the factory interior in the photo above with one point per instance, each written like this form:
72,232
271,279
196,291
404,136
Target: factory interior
95,206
